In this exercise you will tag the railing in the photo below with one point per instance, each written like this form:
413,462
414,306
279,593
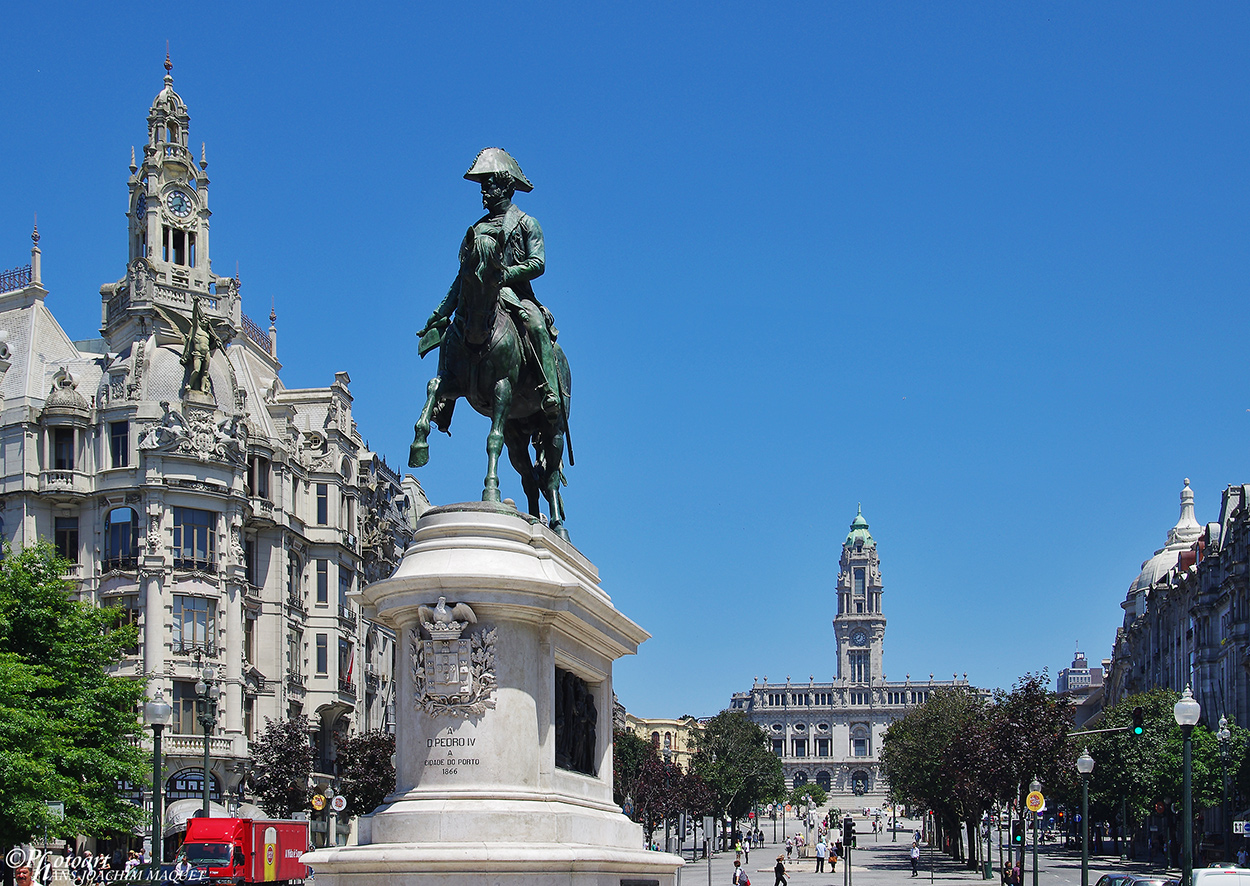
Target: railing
262,506
118,302
64,481
181,647
295,681
127,563
297,604
346,616
15,278
195,565
256,334
193,745
346,687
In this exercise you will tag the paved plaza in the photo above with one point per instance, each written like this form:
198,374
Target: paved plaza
880,862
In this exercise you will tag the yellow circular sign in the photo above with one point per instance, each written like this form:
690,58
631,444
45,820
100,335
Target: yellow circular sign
1035,801
318,802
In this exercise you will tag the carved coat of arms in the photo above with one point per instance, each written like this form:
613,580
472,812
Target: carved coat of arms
454,673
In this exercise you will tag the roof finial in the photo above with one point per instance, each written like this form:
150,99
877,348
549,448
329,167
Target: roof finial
238,284
34,235
203,157
273,314
133,168
169,66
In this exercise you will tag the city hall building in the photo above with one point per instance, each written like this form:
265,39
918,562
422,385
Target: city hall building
830,733
228,516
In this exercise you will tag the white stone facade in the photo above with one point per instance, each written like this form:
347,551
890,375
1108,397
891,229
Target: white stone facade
830,732
231,525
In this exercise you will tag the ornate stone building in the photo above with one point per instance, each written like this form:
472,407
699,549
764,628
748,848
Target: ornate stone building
1187,614
228,516
831,732
676,740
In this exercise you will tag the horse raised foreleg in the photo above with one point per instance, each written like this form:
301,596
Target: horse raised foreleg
494,440
419,453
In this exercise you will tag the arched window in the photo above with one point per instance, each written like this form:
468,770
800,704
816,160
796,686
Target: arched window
121,539
800,779
668,741
173,133
188,784
860,783
655,739
824,780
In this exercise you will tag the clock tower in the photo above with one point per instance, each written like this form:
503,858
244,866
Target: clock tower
168,258
859,625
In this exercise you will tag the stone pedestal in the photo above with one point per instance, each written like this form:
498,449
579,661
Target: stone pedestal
488,699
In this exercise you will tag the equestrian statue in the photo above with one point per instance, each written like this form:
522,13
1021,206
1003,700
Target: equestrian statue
497,346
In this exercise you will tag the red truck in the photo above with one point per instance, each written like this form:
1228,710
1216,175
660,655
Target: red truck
237,851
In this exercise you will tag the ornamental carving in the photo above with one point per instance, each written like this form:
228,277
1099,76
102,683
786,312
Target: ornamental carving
453,673
197,435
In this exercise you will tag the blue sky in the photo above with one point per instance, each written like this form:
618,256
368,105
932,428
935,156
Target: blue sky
981,267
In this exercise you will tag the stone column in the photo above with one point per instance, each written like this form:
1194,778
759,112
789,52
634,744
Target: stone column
150,578
234,655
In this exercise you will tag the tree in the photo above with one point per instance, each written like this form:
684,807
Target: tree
628,752
281,765
67,728
735,762
942,755
811,794
366,774
658,792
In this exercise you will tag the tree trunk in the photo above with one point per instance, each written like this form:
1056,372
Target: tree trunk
974,843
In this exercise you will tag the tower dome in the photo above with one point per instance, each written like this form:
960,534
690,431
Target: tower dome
1180,538
859,536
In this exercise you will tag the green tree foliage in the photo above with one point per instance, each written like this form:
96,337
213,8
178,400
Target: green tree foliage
628,752
1031,726
812,794
366,774
66,726
1147,769
281,765
735,762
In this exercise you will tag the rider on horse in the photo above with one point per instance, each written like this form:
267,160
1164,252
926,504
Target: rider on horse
522,258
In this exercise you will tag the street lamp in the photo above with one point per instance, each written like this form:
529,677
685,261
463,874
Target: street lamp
207,691
1035,787
157,714
1187,711
1224,735
1085,765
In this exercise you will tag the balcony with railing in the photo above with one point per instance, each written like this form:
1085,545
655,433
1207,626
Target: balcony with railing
295,605
193,745
347,617
64,483
15,279
295,682
191,647
346,687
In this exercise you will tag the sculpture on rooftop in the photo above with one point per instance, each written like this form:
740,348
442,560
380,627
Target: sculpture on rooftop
497,345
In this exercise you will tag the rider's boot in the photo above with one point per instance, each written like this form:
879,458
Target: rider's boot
551,382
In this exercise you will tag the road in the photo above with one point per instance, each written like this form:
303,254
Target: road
885,862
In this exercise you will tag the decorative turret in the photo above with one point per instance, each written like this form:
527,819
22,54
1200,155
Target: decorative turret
168,263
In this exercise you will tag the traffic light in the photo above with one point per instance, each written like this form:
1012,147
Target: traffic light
848,832
1017,832
1138,716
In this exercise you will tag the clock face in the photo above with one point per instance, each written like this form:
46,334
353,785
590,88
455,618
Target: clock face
859,638
141,205
179,204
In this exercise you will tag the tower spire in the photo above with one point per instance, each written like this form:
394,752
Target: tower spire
36,263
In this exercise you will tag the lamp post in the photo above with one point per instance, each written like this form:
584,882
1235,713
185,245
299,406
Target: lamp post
157,713
1224,735
1187,711
207,691
1085,765
1035,786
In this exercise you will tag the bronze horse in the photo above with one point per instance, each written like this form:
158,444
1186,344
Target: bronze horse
483,359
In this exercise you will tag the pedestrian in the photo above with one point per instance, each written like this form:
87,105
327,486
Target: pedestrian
915,858
780,871
821,851
789,846
746,850
1242,857
738,851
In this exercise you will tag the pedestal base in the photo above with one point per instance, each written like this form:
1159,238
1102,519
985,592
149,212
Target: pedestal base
515,788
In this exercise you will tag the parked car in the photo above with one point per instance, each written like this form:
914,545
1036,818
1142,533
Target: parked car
1114,880
1221,876
1138,880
